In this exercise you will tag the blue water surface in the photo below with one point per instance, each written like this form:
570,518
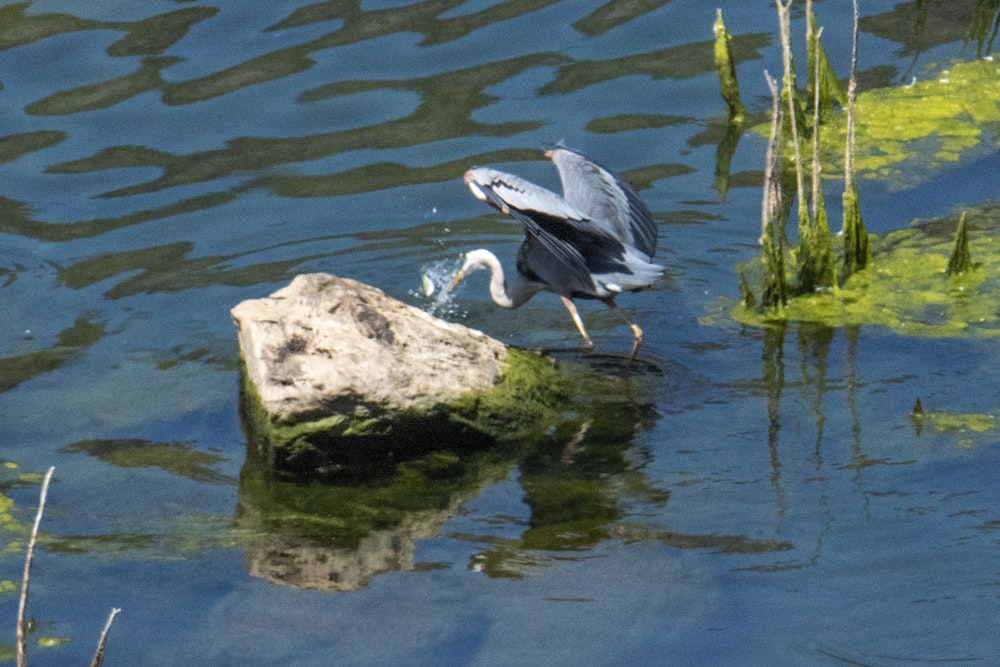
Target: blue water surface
766,497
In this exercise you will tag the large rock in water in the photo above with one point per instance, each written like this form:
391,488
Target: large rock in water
337,373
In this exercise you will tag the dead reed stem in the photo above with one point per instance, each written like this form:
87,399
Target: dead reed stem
22,639
99,655
816,168
771,200
784,27
852,86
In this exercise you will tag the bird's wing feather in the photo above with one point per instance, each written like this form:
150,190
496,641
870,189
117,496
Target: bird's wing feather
606,199
589,259
544,214
515,192
583,252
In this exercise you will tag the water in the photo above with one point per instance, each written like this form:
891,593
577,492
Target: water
741,497
437,295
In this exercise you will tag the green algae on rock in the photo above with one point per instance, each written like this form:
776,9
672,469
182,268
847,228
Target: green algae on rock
529,397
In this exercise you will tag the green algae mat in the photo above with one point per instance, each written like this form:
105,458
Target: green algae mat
907,133
906,287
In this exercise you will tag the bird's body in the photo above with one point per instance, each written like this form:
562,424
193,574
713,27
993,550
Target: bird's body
595,241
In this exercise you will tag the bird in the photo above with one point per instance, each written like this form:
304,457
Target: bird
595,241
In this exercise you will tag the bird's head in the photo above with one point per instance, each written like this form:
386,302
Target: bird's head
473,261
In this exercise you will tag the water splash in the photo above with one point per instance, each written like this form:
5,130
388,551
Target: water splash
435,287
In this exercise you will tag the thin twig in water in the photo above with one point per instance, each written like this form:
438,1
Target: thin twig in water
856,249
99,656
22,639
784,30
772,187
815,147
852,86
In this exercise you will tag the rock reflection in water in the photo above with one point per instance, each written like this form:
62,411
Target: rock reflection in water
295,560
577,483
338,535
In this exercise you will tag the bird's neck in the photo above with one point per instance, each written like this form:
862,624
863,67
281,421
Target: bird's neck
498,288
502,295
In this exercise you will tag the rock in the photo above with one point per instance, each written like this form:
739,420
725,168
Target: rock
335,372
327,342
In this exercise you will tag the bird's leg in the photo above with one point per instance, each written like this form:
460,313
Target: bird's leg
636,331
571,307
636,344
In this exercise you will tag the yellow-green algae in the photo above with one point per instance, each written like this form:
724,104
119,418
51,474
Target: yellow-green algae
908,288
908,133
951,422
13,529
966,427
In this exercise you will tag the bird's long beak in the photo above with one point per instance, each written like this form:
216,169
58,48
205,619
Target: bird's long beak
458,278
466,269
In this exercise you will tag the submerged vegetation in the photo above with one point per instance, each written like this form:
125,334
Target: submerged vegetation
917,280
968,429
23,626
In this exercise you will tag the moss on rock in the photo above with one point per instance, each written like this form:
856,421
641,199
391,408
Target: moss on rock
529,397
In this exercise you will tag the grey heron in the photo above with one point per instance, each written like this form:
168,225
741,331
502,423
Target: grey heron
593,242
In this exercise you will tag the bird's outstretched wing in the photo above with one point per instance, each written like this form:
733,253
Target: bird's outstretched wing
606,199
562,229
502,191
